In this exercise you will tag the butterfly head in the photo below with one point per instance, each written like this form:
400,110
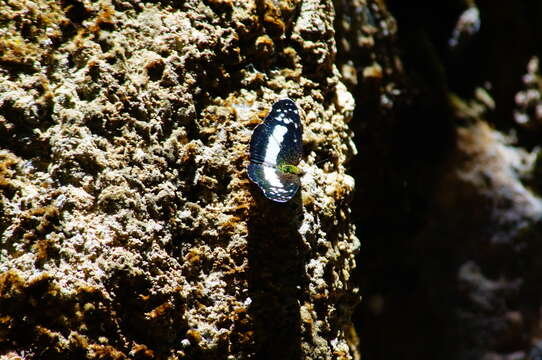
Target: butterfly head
290,169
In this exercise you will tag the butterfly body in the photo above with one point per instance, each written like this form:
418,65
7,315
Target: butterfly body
276,148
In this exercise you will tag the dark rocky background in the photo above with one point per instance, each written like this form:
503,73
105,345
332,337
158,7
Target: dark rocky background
447,203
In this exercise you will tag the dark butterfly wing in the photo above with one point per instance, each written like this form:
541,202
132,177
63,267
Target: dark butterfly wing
278,139
263,147
285,113
275,184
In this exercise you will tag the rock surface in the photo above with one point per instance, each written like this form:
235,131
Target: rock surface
128,226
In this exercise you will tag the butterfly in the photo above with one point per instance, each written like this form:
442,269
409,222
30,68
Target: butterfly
276,148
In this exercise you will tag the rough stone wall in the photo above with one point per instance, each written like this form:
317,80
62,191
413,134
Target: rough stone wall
128,226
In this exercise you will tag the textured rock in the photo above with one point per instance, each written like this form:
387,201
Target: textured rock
129,228
128,225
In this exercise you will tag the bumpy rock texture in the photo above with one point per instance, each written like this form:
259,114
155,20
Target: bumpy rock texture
129,229
128,226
